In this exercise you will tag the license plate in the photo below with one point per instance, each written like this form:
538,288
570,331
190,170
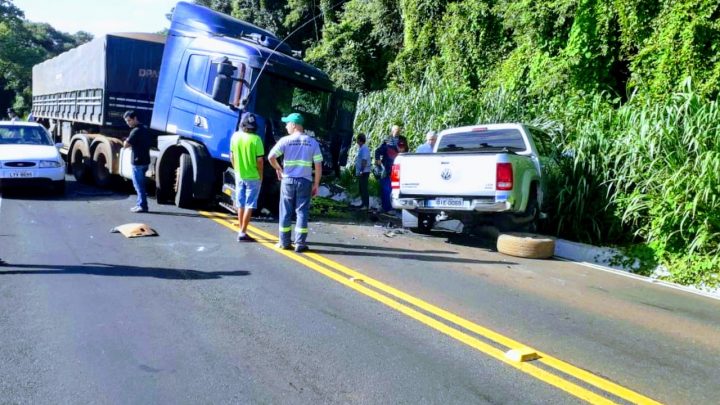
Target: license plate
21,174
447,203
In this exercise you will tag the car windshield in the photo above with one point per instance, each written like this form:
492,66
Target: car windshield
23,135
482,140
280,97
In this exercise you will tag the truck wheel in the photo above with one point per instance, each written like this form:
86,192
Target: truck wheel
184,182
101,166
527,245
79,157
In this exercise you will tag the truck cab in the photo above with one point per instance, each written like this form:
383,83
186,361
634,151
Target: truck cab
191,87
215,67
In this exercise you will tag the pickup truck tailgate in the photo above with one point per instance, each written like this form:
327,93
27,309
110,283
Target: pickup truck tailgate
440,175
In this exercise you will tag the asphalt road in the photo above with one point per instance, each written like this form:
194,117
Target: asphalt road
192,316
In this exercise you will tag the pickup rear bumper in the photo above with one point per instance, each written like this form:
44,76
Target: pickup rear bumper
473,205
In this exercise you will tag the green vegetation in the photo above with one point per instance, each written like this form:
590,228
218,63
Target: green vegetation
626,89
22,45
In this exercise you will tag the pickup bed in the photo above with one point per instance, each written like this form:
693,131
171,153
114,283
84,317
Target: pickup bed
481,173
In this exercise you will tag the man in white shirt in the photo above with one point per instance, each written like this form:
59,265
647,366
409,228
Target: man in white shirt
429,144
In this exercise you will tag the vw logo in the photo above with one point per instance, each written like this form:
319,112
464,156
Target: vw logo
446,174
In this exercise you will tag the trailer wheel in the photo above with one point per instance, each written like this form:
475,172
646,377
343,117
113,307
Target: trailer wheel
184,182
101,166
79,158
527,245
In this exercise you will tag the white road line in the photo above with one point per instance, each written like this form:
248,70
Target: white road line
646,279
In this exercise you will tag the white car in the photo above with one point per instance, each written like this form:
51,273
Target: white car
29,157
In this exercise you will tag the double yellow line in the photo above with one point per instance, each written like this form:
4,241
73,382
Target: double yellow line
551,370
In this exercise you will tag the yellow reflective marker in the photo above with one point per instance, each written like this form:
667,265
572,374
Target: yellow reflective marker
350,279
522,354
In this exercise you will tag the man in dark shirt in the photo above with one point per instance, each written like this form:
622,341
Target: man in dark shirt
385,155
140,142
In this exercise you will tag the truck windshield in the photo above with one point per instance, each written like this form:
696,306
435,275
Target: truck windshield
278,97
483,140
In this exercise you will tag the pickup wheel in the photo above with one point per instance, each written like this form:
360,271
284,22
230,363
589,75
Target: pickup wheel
532,211
184,182
527,245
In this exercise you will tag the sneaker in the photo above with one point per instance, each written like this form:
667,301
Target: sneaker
245,238
301,248
137,209
279,245
240,236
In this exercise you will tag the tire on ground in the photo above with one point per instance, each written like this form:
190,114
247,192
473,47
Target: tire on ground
101,165
184,182
527,245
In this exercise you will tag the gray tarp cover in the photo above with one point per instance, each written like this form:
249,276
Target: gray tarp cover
84,67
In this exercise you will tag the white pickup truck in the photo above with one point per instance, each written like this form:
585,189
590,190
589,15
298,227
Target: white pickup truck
476,174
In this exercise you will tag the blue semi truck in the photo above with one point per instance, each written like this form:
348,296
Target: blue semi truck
190,87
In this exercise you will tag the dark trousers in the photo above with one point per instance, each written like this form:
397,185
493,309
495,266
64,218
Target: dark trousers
364,194
386,194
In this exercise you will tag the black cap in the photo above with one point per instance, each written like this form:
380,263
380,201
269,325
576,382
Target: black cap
248,122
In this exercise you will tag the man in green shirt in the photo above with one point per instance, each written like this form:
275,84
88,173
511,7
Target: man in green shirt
246,155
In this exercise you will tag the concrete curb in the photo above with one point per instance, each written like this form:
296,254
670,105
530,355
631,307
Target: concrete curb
600,258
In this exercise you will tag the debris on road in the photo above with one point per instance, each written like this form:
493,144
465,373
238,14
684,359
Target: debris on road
134,230
393,233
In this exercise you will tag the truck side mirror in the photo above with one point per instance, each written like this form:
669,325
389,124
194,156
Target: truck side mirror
222,86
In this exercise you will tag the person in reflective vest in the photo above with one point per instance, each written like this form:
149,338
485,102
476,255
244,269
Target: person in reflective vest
300,154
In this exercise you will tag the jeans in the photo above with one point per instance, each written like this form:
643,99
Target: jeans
138,179
385,194
363,184
295,194
246,193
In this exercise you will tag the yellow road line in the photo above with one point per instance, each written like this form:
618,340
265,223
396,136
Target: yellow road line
541,374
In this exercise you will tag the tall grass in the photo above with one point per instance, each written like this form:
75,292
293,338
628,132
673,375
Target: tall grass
645,173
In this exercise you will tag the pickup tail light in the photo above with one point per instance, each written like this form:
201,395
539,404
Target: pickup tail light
395,177
504,177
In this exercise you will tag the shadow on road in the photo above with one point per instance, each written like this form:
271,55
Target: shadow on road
412,256
101,269
382,249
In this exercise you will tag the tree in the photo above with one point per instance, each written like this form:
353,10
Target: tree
24,44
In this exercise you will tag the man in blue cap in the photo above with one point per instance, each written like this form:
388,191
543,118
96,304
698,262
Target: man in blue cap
300,153
246,155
